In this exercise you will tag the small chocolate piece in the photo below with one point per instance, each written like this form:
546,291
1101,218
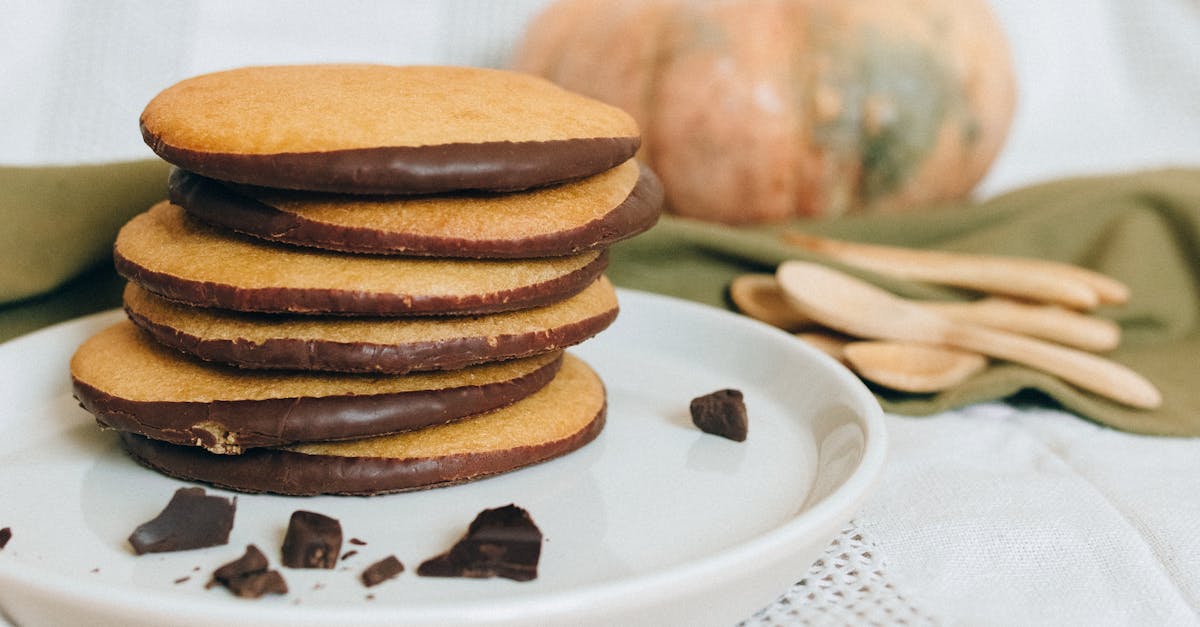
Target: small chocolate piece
721,413
248,576
357,542
313,541
501,542
5,536
381,571
191,520
349,554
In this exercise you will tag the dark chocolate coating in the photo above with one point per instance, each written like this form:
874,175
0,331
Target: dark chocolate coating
331,356
281,471
270,422
337,301
487,166
221,206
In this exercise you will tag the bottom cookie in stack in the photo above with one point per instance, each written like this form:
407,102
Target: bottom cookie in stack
533,409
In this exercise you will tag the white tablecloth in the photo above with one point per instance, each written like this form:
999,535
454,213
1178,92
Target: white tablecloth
994,514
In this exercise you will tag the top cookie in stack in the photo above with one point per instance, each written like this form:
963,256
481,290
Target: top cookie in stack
442,228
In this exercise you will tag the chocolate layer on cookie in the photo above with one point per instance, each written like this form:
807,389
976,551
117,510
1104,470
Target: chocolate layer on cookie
559,418
131,383
375,129
178,257
551,221
371,344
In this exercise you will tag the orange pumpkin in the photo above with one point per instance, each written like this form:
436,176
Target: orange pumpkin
762,110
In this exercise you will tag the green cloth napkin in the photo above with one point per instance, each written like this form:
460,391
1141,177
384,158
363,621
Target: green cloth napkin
1142,228
57,225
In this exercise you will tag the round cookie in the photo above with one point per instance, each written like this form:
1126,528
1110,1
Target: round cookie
550,221
131,383
178,257
371,344
377,129
559,418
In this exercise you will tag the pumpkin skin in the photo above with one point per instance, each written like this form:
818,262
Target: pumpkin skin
764,110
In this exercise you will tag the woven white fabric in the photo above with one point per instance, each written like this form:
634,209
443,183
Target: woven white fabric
1004,515
849,585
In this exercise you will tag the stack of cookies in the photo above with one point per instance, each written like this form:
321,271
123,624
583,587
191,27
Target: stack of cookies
365,277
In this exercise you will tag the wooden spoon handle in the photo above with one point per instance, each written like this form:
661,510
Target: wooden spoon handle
1034,279
1048,322
1085,370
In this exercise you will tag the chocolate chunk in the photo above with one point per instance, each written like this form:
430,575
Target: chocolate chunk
313,541
501,542
381,571
248,576
721,413
5,536
191,520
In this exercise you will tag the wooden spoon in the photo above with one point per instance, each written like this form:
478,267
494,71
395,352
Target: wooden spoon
1032,279
760,297
861,309
910,367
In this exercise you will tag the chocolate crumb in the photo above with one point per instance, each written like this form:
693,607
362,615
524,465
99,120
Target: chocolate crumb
379,572
5,536
357,542
182,579
313,541
349,554
370,597
721,413
248,577
500,542
191,520
94,570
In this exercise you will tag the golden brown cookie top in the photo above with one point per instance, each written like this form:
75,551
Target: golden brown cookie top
564,415
563,219
122,361
180,258
131,383
385,129
369,343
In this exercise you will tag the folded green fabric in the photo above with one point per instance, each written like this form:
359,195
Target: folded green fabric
60,220
59,223
1141,228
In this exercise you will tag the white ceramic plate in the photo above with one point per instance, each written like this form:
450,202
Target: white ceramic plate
653,523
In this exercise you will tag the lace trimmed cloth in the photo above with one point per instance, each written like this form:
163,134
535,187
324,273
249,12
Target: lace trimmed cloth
848,585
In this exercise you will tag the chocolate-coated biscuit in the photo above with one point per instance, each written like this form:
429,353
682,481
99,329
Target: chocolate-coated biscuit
550,221
131,383
559,418
178,257
376,129
371,344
